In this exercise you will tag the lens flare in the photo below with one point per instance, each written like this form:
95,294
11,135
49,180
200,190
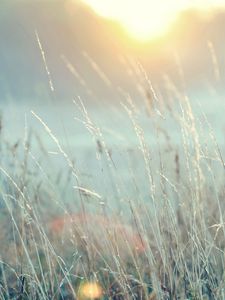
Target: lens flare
90,290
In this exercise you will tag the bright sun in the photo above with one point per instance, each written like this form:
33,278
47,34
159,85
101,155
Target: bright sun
145,19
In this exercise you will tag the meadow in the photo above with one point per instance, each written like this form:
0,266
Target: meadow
112,156
126,202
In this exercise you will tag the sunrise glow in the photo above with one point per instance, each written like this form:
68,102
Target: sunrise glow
146,19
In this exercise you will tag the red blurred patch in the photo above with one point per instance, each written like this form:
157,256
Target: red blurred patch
123,233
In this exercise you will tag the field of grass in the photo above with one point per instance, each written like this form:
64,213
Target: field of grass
112,156
138,217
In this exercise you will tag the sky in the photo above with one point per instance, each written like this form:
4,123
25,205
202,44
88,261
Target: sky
147,19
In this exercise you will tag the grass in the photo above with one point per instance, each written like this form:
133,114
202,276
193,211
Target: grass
166,241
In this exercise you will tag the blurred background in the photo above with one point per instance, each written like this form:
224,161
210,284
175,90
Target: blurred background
94,56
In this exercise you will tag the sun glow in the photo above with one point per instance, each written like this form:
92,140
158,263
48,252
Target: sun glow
146,19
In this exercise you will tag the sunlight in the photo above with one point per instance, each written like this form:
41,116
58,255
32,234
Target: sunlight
145,19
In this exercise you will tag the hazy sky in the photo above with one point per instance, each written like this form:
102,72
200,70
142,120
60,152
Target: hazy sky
144,19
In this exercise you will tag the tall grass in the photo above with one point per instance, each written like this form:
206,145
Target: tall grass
163,240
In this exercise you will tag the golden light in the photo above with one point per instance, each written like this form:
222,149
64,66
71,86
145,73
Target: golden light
146,19
90,290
